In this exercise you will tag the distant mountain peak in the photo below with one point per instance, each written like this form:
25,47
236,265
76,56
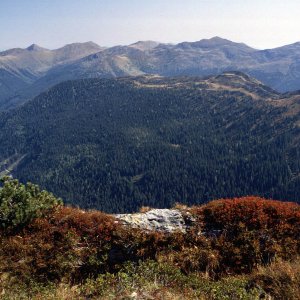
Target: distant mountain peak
218,39
90,43
35,47
212,43
217,42
144,45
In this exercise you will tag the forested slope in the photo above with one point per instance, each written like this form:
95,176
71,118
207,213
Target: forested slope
118,144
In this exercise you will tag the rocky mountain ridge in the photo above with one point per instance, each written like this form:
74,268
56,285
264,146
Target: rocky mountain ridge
24,73
20,68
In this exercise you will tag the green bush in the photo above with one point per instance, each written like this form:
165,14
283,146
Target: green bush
20,204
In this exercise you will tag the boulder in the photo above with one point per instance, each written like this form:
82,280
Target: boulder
165,220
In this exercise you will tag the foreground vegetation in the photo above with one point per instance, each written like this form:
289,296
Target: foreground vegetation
243,248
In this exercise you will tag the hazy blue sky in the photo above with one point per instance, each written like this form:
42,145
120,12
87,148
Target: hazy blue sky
53,23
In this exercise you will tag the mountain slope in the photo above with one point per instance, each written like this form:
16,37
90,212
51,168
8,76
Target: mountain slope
277,68
118,144
199,58
19,68
24,73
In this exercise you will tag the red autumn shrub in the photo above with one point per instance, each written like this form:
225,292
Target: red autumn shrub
249,231
68,243
229,236
254,212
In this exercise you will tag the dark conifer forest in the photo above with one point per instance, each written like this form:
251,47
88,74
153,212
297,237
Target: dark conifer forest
119,144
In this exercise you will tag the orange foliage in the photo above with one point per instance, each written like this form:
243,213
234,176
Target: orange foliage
250,231
66,243
230,236
253,212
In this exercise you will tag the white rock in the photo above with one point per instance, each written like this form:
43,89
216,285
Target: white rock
166,220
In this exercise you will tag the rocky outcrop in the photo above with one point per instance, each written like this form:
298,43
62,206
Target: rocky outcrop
166,220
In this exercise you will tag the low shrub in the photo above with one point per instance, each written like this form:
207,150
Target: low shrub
47,248
20,204
250,231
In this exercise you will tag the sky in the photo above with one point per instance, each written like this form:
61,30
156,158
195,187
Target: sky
53,23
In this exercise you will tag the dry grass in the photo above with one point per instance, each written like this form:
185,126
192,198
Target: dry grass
145,209
281,279
181,206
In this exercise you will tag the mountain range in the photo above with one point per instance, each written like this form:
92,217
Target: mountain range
21,68
119,144
24,73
